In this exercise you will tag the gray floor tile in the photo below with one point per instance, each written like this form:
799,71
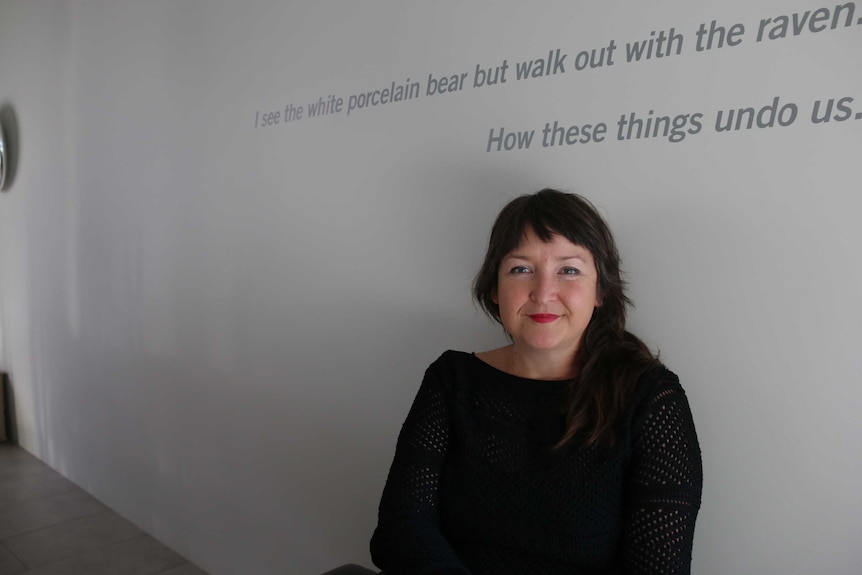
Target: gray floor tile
32,515
71,538
47,521
9,565
187,569
139,556
17,462
18,489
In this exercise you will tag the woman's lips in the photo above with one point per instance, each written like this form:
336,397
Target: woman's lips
543,317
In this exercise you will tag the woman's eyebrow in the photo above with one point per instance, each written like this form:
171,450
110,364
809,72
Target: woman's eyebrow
572,257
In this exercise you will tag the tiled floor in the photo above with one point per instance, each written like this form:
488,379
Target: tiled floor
49,526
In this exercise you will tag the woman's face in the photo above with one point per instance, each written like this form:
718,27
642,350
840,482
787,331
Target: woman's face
547,293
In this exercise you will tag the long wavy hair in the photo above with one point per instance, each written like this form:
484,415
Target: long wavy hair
610,359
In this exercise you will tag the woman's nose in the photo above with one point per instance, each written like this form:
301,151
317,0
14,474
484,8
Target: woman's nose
544,288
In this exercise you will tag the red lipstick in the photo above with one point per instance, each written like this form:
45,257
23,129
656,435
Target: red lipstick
543,317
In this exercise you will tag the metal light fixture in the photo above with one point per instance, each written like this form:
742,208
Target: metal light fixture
2,159
8,146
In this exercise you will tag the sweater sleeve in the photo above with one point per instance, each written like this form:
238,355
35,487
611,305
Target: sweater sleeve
408,539
664,486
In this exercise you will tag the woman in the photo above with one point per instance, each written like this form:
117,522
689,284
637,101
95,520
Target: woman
571,450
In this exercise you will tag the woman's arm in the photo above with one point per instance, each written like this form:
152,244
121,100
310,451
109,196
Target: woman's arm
664,487
408,539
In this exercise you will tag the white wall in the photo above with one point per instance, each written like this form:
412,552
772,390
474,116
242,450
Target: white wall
218,329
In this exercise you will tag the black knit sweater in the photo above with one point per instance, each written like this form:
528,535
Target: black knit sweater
476,488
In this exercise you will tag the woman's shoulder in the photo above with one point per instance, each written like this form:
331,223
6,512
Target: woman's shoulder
656,382
659,376
452,359
450,366
658,389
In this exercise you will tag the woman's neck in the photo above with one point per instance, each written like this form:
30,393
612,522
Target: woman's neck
547,366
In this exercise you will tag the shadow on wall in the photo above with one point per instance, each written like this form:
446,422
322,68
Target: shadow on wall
9,133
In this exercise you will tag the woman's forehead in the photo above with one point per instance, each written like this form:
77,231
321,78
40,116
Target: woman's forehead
556,246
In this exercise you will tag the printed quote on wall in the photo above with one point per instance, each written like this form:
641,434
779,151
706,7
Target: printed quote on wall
776,112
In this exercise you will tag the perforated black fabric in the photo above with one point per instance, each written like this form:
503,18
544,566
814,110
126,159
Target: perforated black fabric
476,488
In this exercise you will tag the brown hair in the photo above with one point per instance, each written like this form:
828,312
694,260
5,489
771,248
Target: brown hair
609,359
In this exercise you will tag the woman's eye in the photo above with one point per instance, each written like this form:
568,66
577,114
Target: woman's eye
570,271
519,270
